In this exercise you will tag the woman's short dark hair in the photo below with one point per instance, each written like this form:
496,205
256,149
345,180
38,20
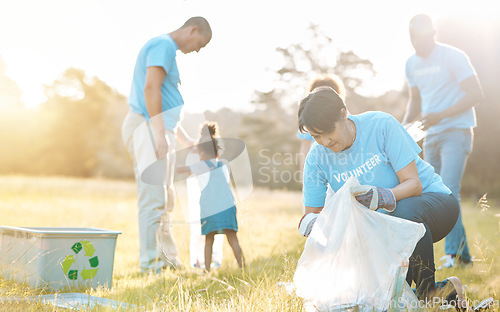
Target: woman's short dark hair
320,110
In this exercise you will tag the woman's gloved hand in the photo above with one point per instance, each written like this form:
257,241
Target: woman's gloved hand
307,222
386,199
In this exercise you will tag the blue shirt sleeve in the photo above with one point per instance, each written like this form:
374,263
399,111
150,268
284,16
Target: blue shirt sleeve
161,53
399,147
459,65
315,182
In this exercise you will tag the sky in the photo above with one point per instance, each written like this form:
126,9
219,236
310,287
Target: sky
39,40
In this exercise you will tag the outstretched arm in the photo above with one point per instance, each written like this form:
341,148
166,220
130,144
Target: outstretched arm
413,108
473,96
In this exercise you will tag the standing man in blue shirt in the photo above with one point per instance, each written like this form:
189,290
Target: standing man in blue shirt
155,92
444,88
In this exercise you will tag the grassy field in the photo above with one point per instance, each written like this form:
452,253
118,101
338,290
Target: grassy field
268,236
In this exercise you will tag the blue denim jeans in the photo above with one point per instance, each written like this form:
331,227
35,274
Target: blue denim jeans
447,152
438,212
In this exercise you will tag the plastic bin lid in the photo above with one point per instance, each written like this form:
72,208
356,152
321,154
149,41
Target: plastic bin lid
62,230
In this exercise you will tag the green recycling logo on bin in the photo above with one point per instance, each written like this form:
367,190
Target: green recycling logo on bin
85,257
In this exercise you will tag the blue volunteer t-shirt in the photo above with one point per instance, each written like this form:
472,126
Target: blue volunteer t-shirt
438,78
159,51
382,148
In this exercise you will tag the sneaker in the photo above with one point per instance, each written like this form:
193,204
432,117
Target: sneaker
465,263
449,262
451,292
215,265
156,271
174,264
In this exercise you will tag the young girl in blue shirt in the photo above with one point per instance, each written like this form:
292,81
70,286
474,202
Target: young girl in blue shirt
217,207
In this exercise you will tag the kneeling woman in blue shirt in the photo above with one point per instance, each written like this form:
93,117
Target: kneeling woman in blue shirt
378,151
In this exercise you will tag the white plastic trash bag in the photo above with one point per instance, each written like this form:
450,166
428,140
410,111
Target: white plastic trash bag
355,257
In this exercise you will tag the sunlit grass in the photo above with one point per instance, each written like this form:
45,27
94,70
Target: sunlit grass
267,233
483,235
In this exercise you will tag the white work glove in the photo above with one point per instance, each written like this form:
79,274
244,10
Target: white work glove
307,222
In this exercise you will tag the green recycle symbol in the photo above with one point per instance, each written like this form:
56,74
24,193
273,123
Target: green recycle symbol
70,259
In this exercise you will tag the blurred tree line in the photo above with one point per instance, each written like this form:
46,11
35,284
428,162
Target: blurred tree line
270,132
77,131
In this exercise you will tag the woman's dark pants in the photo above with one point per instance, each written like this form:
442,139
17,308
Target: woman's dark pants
439,213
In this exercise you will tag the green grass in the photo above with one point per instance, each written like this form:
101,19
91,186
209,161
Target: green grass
267,233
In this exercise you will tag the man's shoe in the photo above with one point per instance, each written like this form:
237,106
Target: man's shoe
449,262
175,264
461,262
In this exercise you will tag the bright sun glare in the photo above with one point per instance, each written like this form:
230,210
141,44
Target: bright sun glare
34,64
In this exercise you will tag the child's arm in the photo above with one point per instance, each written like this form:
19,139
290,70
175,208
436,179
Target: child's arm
196,169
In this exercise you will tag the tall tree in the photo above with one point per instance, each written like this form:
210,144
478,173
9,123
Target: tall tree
303,61
270,131
269,134
84,137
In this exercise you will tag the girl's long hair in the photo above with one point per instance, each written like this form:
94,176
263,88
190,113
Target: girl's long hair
208,142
